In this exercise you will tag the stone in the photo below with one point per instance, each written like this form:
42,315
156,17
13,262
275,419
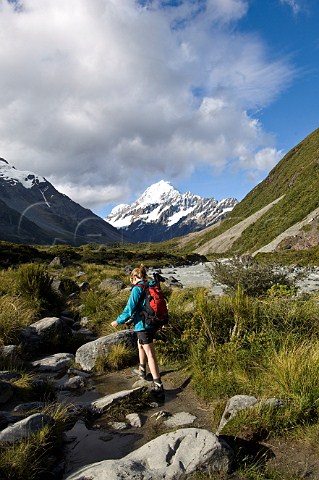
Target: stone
118,426
53,363
134,419
88,353
24,428
9,351
40,335
74,383
6,418
29,407
104,404
112,284
6,391
179,420
170,456
7,375
233,406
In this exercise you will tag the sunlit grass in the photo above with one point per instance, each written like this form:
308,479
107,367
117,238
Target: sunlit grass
15,313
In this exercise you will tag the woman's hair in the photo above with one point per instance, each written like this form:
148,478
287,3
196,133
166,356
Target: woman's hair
140,272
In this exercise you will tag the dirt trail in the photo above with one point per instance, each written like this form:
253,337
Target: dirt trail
100,442
290,458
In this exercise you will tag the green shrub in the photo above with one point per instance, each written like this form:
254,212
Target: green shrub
35,283
254,278
278,290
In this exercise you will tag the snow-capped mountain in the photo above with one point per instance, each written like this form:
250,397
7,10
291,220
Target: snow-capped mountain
162,212
32,211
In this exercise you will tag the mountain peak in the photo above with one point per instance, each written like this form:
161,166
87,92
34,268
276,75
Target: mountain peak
157,193
162,212
27,179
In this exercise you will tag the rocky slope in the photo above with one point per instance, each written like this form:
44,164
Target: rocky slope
280,213
162,213
34,212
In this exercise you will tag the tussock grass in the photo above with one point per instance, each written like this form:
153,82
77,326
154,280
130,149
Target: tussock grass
15,313
119,356
102,307
33,457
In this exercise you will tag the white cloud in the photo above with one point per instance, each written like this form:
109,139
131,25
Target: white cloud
294,4
103,96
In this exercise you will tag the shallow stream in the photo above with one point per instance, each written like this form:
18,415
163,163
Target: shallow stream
87,444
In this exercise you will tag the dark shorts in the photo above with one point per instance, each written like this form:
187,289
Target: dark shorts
145,336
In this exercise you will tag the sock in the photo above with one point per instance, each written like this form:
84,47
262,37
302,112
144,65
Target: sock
142,367
158,381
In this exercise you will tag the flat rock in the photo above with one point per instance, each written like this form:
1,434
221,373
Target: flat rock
53,363
170,456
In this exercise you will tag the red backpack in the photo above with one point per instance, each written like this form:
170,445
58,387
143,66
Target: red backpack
155,312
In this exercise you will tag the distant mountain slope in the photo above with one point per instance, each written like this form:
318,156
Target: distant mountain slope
162,213
293,186
34,212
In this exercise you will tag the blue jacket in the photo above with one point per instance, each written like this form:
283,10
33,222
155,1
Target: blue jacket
134,303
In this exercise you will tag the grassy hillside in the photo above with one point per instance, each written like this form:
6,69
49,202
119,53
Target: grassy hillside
296,177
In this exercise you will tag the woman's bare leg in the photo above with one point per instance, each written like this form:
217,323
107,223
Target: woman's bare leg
141,354
149,351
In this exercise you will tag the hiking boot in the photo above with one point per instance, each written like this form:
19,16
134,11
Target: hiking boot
157,390
140,372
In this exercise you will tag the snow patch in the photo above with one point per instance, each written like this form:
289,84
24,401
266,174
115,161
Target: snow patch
26,178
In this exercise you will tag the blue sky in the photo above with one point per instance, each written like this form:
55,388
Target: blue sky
106,97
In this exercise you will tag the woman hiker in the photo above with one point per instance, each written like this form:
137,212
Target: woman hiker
145,333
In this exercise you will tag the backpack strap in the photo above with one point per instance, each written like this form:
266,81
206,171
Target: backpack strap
143,287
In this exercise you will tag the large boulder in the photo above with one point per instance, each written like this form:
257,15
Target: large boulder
88,353
173,455
47,334
24,428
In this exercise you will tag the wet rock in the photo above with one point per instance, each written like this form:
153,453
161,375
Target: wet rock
74,383
24,428
79,373
104,404
6,418
29,407
168,456
118,425
7,375
134,419
88,353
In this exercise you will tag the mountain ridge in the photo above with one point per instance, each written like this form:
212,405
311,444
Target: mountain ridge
34,212
162,213
291,189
